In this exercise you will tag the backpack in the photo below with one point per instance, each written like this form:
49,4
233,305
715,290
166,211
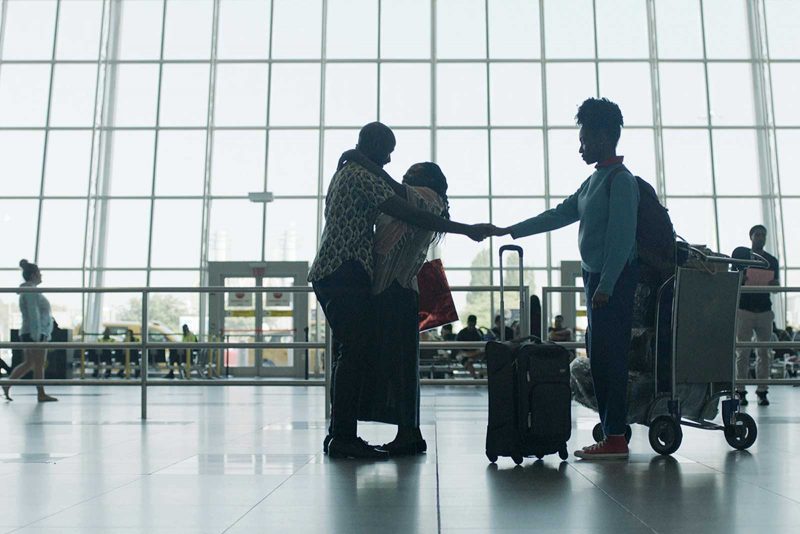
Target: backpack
655,235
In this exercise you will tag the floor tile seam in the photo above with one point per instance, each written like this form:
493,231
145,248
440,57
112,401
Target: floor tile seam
615,501
80,503
173,464
276,488
739,478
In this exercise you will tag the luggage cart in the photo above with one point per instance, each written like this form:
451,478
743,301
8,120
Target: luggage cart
703,343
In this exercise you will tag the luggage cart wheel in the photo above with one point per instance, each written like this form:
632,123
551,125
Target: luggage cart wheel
742,433
517,459
492,457
562,452
597,433
665,435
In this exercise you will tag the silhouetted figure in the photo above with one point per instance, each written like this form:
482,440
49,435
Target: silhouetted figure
467,357
390,391
496,330
37,325
606,204
755,315
341,274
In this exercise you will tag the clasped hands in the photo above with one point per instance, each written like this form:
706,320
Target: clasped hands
479,232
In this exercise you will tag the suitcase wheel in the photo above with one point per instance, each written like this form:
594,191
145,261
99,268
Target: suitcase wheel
517,459
562,452
492,457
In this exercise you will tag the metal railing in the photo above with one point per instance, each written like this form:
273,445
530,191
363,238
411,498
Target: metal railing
547,291
145,345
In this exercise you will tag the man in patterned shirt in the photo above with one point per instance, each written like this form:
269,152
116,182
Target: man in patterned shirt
342,271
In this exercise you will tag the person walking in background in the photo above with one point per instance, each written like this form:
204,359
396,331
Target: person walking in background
37,325
755,312
391,389
606,204
341,274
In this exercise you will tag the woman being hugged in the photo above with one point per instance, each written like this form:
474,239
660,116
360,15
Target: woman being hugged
390,391
37,324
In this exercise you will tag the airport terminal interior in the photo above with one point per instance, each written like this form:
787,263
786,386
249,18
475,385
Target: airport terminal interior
165,169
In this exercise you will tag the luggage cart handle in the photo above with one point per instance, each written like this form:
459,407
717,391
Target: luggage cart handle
760,260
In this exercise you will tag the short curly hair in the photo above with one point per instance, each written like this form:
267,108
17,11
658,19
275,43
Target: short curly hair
601,114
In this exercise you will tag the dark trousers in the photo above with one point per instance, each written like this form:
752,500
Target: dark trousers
390,387
608,340
345,298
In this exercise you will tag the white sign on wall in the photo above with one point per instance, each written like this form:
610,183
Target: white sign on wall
276,299
240,300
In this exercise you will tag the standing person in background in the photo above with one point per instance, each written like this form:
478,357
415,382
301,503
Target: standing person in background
607,205
37,325
755,312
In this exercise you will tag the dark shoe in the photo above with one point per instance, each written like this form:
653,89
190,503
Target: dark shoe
405,449
326,442
762,398
355,448
743,398
170,375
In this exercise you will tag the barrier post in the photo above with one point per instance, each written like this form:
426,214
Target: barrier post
145,354
127,363
188,364
83,363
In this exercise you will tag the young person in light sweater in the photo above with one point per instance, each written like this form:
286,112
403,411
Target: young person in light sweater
606,206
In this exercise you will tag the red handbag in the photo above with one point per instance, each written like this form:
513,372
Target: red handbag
436,306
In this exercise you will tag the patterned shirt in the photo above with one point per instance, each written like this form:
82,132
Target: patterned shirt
351,207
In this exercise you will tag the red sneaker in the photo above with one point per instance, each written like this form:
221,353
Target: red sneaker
611,448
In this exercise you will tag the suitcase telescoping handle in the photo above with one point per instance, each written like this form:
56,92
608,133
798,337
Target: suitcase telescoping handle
518,250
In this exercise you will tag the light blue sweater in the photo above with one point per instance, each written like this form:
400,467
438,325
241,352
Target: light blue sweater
607,235
37,319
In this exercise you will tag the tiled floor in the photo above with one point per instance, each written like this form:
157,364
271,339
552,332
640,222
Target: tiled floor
244,460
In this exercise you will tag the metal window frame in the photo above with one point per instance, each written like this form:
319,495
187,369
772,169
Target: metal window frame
105,100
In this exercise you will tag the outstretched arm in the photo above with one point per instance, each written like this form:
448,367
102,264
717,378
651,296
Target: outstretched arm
401,209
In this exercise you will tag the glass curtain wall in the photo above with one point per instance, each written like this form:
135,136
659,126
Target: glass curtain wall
133,130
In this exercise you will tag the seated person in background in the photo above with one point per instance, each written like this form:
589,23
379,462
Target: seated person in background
447,333
517,329
558,332
105,354
496,330
470,333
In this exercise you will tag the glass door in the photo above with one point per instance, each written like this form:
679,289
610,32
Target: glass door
267,316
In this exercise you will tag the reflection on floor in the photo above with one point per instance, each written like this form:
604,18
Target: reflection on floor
245,460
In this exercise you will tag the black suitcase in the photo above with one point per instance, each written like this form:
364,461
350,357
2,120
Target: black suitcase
529,393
